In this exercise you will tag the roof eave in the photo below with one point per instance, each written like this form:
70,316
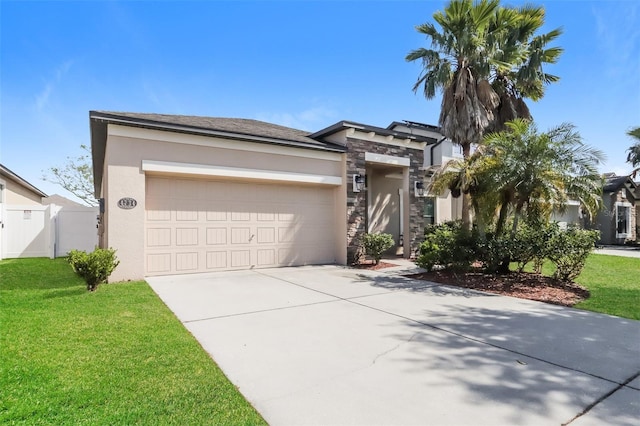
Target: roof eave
343,125
22,182
210,132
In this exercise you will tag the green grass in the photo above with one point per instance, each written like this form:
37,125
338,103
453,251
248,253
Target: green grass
614,284
117,356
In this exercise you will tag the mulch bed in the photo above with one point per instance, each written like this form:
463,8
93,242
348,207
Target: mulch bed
370,265
522,285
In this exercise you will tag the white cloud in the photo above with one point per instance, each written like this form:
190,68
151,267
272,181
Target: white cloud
42,99
619,37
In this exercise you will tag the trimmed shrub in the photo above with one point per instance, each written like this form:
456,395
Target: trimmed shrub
376,244
95,267
569,250
449,246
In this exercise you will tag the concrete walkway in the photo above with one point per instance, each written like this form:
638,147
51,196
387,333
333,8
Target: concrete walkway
625,251
335,346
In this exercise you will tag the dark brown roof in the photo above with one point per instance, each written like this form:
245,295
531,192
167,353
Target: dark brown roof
238,127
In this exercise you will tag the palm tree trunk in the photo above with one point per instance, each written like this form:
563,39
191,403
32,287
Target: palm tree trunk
479,219
516,217
502,217
466,198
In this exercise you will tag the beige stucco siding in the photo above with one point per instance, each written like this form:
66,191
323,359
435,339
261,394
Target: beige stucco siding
124,177
19,195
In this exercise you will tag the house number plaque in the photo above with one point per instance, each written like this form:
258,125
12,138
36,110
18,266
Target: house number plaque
127,203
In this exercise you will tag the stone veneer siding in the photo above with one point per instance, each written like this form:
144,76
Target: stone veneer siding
357,202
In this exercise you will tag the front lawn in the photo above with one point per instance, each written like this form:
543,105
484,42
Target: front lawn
614,284
116,356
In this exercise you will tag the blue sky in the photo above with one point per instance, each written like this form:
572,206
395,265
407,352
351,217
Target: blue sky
304,64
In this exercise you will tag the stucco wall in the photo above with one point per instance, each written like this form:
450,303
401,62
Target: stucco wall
384,203
124,177
19,195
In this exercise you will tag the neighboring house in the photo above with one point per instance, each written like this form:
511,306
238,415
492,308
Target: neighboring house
21,217
618,220
35,225
184,194
61,201
16,190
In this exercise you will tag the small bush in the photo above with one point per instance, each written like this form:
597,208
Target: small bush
493,250
449,246
94,267
569,250
376,244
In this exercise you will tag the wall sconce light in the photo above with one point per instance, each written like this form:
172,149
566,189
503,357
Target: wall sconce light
358,183
418,187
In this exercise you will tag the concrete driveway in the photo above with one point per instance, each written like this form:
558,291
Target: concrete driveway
330,345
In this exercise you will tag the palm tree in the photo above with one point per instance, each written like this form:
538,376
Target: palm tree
485,60
634,150
458,64
474,176
519,58
544,170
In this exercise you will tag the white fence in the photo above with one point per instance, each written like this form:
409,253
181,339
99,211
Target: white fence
46,231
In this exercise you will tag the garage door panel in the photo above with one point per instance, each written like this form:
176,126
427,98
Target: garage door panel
240,258
266,257
230,225
216,216
186,236
216,236
158,237
266,235
216,259
159,263
187,261
186,215
240,235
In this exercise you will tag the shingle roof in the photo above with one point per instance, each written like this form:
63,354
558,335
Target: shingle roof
614,183
230,126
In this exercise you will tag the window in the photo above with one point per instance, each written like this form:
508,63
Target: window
623,220
429,210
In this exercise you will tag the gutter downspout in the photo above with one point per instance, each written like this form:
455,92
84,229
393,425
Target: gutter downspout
433,147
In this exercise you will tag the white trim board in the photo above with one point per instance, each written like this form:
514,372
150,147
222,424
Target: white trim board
370,157
235,172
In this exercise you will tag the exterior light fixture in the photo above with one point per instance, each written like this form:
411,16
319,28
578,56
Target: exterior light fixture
358,183
418,188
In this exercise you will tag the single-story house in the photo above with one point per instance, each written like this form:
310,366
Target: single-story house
16,190
33,224
20,204
185,194
618,221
